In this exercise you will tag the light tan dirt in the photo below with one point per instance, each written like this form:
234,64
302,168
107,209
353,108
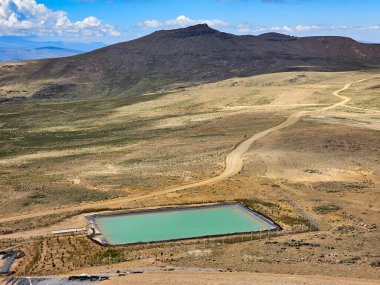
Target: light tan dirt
217,278
233,165
324,158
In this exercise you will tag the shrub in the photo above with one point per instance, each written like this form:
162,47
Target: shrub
325,209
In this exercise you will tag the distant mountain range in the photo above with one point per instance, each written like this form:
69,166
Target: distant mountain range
183,56
14,48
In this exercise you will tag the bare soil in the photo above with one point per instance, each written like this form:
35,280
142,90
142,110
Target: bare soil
319,160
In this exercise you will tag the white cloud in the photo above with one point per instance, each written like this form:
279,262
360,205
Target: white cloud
301,28
150,24
343,27
181,21
27,17
376,27
283,29
248,29
244,28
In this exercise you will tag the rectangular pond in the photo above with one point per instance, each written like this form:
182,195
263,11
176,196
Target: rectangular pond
178,223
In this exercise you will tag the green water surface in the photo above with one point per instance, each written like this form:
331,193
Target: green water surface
178,224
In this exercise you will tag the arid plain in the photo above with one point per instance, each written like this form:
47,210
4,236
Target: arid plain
62,160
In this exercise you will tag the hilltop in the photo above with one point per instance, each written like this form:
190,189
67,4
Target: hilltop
187,56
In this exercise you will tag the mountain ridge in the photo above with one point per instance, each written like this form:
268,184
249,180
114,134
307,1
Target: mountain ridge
16,48
187,55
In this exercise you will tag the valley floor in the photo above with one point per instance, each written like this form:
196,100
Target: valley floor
311,151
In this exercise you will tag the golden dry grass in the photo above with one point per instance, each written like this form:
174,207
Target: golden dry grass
93,151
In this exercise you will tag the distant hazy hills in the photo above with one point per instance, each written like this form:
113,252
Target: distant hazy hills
14,48
189,55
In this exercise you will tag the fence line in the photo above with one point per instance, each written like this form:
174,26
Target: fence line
165,250
190,247
313,222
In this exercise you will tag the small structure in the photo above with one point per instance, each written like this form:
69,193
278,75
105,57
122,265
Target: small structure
84,230
87,277
72,280
6,260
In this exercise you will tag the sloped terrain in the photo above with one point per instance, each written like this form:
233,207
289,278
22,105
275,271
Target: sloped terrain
176,58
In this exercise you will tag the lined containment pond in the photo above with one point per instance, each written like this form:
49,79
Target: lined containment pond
178,223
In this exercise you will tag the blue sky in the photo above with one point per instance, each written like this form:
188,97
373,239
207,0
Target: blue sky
118,20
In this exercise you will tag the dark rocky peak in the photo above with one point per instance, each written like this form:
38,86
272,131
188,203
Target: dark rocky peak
200,29
276,37
192,31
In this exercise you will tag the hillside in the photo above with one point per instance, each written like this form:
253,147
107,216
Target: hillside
308,144
189,55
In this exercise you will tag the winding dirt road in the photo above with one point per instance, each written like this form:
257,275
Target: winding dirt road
233,165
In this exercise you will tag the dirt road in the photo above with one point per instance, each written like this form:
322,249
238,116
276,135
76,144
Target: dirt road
233,165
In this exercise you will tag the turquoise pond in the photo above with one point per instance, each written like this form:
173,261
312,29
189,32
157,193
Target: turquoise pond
180,223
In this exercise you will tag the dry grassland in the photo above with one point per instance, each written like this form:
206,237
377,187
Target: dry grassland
68,155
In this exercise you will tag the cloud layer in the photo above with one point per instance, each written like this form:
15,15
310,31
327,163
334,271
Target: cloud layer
180,21
248,29
26,17
245,28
